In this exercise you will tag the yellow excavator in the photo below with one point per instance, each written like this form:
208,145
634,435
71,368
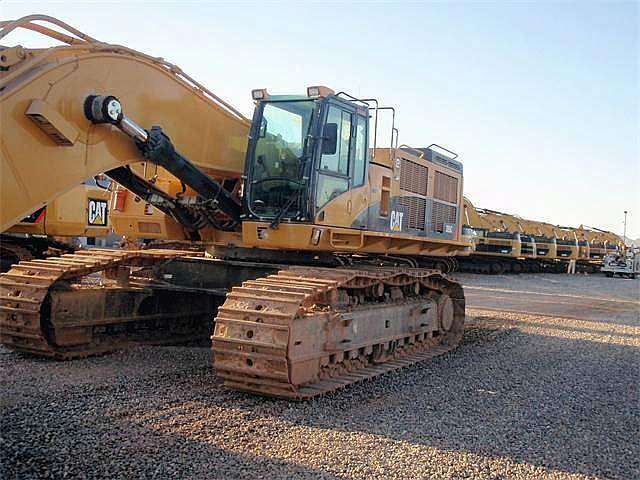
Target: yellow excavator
504,242
495,250
49,230
566,239
595,245
319,249
139,222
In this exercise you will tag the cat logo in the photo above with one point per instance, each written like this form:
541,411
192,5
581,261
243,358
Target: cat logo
396,221
97,212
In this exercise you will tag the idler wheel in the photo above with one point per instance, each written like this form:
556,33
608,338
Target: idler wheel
445,312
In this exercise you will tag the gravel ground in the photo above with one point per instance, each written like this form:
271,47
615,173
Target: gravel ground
524,396
580,297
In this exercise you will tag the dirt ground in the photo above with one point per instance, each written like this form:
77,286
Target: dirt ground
544,385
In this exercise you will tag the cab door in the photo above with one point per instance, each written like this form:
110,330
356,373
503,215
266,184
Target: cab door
333,204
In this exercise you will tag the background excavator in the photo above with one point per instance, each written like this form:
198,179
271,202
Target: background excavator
318,248
494,249
504,242
52,229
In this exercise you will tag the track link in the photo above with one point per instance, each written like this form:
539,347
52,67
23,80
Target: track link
25,294
11,253
305,331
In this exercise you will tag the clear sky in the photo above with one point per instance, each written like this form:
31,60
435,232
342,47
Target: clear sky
540,99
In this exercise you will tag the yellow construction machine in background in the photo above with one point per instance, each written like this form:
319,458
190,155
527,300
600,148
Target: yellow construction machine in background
508,243
54,228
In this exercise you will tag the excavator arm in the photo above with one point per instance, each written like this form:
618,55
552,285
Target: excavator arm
156,197
156,147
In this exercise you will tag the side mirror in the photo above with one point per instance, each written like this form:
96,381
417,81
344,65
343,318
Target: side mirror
330,139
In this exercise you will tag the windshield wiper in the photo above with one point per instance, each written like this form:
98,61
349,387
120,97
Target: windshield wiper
278,218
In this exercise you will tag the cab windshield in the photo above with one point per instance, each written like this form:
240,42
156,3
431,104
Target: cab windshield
280,158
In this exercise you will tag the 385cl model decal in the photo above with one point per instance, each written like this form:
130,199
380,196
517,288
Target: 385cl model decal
97,212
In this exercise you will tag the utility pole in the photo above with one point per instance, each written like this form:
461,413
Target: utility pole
624,235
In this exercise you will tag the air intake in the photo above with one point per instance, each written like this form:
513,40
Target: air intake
52,123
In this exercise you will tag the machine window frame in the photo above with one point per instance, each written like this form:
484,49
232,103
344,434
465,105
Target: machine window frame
344,109
338,155
254,136
358,182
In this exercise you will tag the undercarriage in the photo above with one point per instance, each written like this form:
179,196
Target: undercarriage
280,330
499,265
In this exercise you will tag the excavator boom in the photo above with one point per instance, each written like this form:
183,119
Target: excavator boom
42,104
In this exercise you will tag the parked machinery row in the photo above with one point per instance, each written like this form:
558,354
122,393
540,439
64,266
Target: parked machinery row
504,242
498,242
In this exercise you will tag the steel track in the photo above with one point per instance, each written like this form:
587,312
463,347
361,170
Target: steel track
26,288
261,329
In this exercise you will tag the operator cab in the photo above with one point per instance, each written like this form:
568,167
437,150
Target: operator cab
309,165
303,152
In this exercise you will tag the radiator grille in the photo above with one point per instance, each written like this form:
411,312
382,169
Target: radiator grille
413,177
446,188
415,208
441,214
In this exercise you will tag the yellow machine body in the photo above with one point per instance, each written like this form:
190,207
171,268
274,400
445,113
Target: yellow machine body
133,218
81,212
488,235
49,146
404,203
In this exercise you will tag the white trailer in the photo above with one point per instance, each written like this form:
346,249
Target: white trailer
624,264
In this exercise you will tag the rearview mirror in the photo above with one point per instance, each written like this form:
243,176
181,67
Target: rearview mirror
330,139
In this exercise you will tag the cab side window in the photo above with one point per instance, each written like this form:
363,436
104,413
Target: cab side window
333,178
338,162
360,158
